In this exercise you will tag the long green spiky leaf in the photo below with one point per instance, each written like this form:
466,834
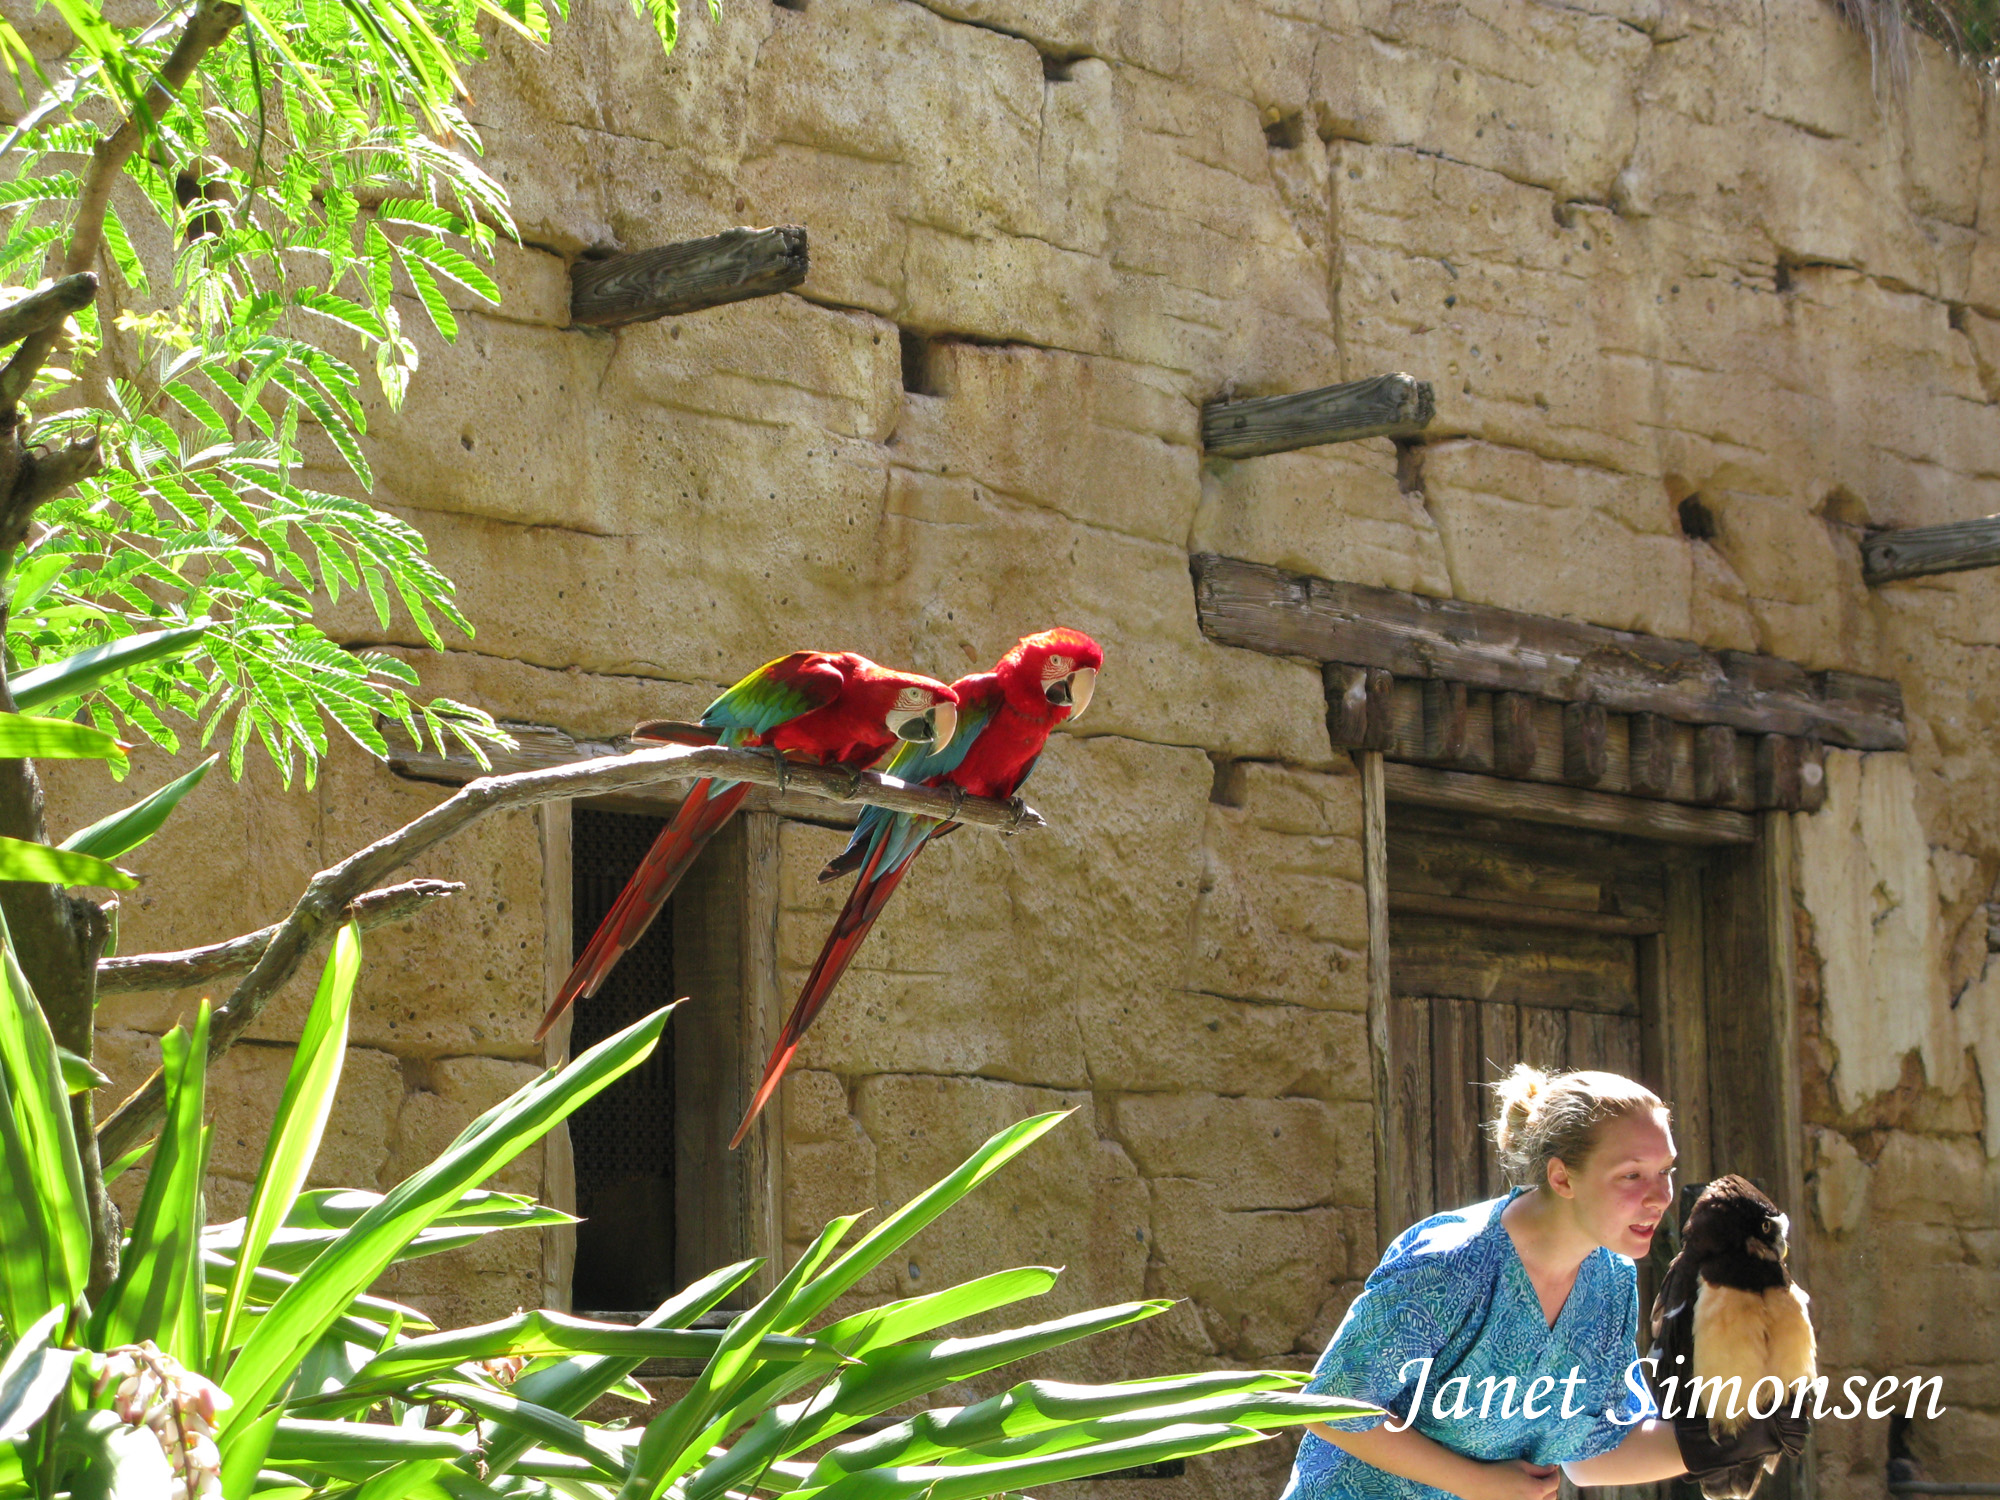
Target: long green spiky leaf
22,860
976,1481
159,1274
549,1428
1036,1406
301,1119
44,1229
125,830
573,1383
77,674
33,1376
25,737
363,1252
545,1332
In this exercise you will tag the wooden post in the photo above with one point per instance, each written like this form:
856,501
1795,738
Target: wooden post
1359,706
552,825
1393,1150
1715,763
1444,721
1383,406
1918,551
1777,783
1514,739
1651,741
1585,755
1812,776
686,277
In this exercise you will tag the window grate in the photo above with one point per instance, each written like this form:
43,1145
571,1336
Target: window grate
623,1140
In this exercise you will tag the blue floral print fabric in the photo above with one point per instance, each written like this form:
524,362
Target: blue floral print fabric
1452,1290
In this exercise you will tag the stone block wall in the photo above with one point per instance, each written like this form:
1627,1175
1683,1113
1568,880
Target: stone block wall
1700,304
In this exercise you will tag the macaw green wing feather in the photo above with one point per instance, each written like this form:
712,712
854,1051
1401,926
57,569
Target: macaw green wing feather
774,694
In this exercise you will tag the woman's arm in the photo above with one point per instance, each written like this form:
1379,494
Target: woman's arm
1649,1452
1410,1455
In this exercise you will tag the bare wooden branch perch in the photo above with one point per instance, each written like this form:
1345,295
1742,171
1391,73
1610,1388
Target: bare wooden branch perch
192,966
330,893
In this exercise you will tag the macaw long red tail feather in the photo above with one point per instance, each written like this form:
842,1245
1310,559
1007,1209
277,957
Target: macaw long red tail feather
699,817
864,904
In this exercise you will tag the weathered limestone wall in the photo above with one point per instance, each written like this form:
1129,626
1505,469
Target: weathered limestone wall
1649,251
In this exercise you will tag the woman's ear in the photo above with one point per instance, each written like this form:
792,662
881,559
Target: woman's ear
1560,1181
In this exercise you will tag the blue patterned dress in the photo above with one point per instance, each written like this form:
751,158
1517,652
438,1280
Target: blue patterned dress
1453,1290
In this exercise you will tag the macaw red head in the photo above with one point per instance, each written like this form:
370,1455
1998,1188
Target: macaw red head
1050,675
923,710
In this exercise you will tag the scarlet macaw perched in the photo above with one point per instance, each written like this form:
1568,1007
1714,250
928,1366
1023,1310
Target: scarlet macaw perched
1005,716
833,708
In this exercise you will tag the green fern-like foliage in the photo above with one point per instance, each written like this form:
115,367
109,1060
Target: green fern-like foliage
312,189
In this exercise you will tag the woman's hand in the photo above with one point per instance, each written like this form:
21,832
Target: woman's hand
1514,1479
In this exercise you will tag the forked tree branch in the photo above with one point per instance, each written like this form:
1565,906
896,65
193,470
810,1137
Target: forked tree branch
329,894
191,966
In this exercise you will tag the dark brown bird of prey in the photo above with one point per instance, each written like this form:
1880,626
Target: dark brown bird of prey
1728,1311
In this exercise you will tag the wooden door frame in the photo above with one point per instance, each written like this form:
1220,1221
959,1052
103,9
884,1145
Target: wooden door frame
1720,1021
729,1205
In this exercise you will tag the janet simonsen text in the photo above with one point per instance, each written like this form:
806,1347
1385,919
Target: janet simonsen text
1506,1396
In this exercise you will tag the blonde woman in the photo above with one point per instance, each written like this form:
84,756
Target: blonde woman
1501,1337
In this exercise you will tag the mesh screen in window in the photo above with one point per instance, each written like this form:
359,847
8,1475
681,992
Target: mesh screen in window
623,1140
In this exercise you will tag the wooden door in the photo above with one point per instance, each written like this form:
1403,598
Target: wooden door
1508,943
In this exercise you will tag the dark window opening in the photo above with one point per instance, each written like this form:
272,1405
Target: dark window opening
623,1140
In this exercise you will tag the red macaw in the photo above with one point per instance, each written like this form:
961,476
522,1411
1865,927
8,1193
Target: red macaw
1005,716
833,708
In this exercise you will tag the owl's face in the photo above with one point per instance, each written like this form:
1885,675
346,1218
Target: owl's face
1732,1218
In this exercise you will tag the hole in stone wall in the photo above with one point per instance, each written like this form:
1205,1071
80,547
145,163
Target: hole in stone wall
789,4
1697,520
1056,69
1845,508
916,363
1409,465
1781,277
1285,132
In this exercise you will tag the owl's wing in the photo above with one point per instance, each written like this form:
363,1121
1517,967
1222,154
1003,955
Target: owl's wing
1673,1328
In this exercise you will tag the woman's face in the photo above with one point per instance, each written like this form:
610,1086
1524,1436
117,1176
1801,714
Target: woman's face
1625,1185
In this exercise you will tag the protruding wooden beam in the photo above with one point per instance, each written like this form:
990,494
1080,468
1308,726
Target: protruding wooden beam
1514,739
1715,763
1650,739
1586,756
1262,608
1359,706
1536,802
686,277
1384,406
1917,551
1444,721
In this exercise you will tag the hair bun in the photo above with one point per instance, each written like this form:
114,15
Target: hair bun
1549,1116
1519,1093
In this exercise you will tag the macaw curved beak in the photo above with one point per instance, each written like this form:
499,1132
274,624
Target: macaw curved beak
944,724
1073,692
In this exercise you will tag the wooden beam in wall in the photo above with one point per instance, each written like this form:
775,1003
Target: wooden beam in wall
1266,609
1381,406
1571,807
1524,738
1918,551
686,277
